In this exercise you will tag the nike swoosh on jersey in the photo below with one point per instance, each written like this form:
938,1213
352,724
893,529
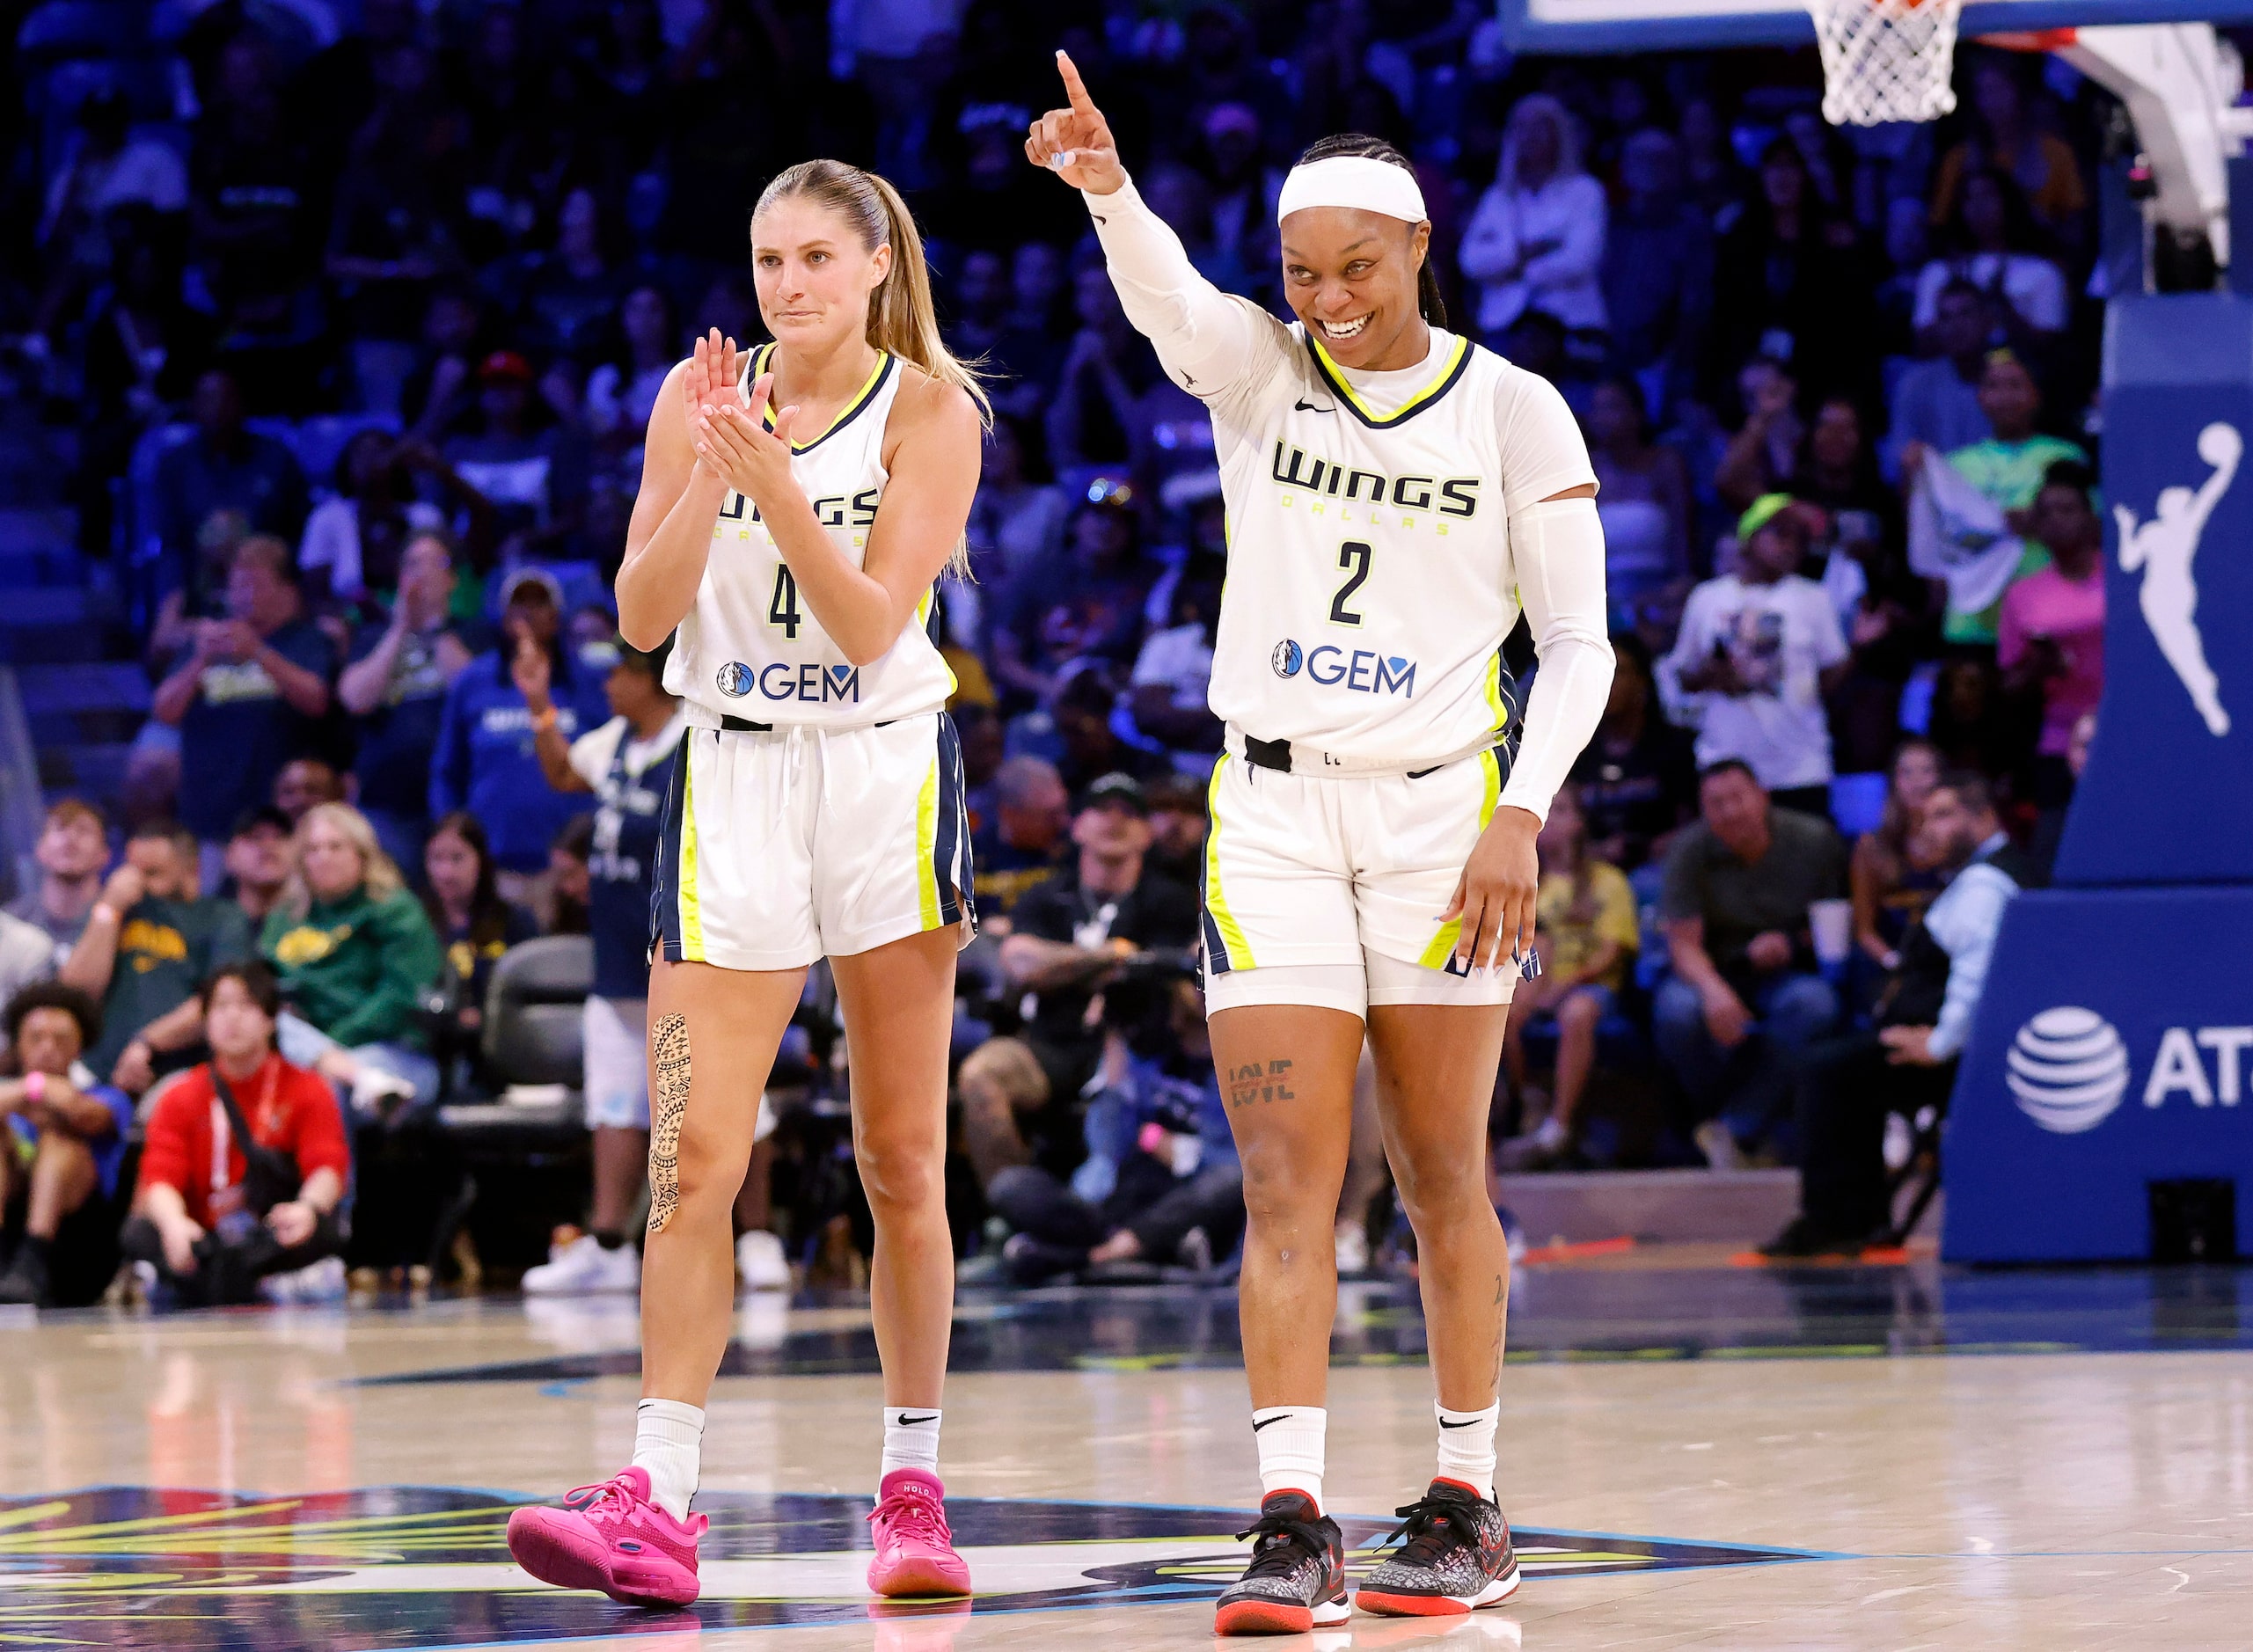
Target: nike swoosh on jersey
1308,407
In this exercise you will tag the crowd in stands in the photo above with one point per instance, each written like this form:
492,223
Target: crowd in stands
356,321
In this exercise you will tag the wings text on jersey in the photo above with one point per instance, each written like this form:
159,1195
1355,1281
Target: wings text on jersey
836,512
1451,496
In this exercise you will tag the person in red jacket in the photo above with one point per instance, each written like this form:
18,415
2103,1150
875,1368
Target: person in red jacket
197,1222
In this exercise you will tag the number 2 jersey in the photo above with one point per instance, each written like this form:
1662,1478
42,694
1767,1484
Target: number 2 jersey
1371,574
751,648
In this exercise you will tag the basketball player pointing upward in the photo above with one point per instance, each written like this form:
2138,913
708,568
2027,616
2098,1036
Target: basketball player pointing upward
814,808
1395,494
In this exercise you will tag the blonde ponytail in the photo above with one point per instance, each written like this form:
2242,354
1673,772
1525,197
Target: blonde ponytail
901,318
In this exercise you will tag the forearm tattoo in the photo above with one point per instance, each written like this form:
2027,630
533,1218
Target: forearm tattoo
669,1093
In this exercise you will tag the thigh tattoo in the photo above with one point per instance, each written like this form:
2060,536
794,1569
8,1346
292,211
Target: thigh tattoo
668,1046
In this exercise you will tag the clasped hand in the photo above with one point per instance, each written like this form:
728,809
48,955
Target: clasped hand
731,442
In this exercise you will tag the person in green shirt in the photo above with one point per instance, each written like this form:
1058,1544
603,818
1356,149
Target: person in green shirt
2008,468
147,947
355,955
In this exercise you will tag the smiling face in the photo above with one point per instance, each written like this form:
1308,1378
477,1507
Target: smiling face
813,274
1351,279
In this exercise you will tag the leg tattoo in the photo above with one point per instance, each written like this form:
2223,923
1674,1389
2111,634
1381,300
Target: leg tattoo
668,1046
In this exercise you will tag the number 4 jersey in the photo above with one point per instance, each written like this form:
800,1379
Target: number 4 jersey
750,649
1370,577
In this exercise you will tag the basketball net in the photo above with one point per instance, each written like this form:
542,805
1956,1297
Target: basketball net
1885,60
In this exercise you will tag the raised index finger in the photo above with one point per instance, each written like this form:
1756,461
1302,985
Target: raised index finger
1074,88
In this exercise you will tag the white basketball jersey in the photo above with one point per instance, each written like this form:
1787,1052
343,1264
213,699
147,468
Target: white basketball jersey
750,649
1370,579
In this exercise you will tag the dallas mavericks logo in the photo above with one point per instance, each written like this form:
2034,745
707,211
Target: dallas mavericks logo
735,679
2163,548
1287,658
2068,1069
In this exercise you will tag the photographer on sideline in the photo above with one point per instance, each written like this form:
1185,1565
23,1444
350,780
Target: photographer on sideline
1161,1182
1023,1097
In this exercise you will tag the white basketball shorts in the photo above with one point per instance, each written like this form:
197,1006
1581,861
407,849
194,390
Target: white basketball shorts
784,846
1317,879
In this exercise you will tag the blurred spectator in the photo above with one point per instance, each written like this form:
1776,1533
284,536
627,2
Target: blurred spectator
2004,138
1837,469
622,390
1792,281
1233,158
1759,648
1993,245
1976,725
1178,827
1106,390
486,760
1637,781
1536,241
1588,936
73,848
1022,843
355,955
626,763
27,955
2051,631
256,862
224,468
1657,271
474,926
531,470
251,692
1086,711
1847,1086
1087,605
64,1138
570,292
1173,673
1765,452
1742,998
1890,889
1160,1183
2008,468
1936,402
1022,1097
1017,520
219,1212
356,540
105,169
148,945
1644,497
303,784
395,690
440,387
571,878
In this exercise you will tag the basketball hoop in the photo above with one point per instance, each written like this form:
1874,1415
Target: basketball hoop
1885,60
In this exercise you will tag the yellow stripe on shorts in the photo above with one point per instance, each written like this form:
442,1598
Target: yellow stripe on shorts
926,845
1232,932
691,913
1442,944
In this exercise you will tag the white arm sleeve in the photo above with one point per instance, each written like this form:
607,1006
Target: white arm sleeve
1558,546
1210,342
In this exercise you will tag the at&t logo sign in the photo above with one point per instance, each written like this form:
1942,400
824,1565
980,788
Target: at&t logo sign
2068,1068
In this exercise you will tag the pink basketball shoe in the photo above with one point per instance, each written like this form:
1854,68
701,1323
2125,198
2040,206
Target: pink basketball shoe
915,1549
612,1538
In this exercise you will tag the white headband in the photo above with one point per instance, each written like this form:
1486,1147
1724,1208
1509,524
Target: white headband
1352,180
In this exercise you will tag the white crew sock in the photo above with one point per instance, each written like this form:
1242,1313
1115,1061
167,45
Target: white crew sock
1290,1438
1467,1447
910,1438
669,1442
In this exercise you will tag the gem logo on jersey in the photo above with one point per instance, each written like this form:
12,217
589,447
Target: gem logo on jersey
803,684
1360,671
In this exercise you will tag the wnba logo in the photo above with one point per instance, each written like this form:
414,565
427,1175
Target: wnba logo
2068,1069
1287,659
735,679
